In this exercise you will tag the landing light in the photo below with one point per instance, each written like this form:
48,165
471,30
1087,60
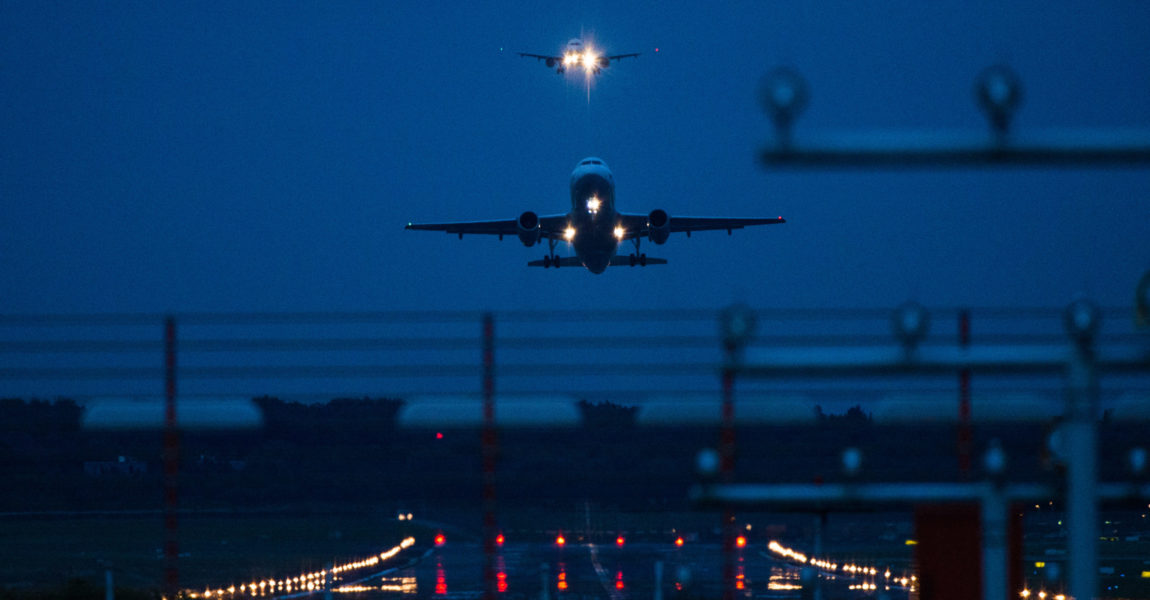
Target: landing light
593,204
619,233
590,60
569,234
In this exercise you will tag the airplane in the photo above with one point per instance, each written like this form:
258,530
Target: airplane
593,227
576,54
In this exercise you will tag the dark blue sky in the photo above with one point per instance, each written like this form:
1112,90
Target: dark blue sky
265,156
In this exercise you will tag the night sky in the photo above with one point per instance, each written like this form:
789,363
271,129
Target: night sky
220,156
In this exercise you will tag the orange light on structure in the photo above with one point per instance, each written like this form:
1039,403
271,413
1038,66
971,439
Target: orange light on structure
440,539
559,541
741,542
619,541
679,542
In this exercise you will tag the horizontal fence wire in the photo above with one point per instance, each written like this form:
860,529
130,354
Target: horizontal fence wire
629,356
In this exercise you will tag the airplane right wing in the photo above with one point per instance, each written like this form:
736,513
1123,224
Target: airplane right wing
540,56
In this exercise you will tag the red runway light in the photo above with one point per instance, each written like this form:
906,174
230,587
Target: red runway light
559,541
440,539
619,541
439,435
499,540
741,542
679,542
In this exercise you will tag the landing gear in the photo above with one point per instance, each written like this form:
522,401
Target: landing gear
551,260
637,257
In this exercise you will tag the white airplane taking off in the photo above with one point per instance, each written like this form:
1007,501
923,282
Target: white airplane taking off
593,227
576,54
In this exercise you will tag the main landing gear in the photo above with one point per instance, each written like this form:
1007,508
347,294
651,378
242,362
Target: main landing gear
636,257
551,260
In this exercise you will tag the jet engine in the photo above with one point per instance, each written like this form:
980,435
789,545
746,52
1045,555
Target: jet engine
527,226
604,62
550,62
658,226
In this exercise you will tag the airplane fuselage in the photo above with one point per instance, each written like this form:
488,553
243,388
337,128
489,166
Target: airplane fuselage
593,218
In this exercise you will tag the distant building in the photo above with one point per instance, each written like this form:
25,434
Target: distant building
123,465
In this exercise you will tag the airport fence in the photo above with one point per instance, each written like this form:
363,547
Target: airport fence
790,368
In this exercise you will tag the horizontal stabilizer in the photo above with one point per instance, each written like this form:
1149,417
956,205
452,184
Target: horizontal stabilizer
564,261
633,261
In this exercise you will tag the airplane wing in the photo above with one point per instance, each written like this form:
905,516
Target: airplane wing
540,56
638,226
618,56
550,227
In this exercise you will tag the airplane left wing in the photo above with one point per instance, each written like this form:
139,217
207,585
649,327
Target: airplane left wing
713,223
640,225
550,227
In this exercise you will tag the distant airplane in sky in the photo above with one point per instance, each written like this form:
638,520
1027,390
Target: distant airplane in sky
576,54
593,227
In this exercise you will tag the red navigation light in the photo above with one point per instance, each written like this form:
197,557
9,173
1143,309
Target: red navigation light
619,541
741,542
439,435
440,539
499,540
619,585
559,541
679,542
